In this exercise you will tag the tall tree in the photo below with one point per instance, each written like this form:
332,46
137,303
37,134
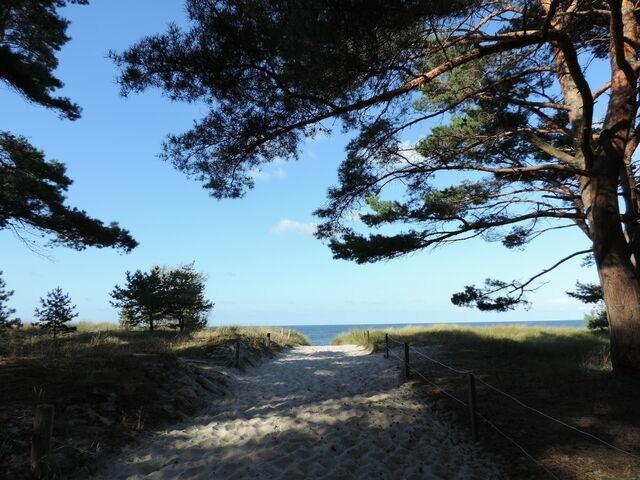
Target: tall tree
55,313
141,299
32,193
6,313
185,302
538,107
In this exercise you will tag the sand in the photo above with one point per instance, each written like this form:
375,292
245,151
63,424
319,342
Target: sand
313,412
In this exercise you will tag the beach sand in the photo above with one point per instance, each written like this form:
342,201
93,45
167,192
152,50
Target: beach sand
332,412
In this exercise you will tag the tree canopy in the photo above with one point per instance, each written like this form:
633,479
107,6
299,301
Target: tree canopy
32,193
163,297
536,140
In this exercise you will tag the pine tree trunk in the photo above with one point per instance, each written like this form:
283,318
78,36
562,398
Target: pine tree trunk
618,277
622,297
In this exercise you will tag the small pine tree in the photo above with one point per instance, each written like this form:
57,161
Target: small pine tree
5,311
55,312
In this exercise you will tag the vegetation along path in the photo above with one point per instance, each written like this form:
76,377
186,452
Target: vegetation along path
313,412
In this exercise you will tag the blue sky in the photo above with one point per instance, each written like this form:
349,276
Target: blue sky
263,264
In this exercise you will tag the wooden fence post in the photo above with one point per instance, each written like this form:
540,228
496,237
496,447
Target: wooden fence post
268,339
237,354
368,337
407,367
472,407
386,345
41,441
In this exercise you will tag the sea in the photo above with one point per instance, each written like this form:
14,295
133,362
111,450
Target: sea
323,334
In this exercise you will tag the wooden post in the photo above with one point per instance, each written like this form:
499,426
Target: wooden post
472,407
237,354
368,337
41,441
289,334
407,367
268,339
386,345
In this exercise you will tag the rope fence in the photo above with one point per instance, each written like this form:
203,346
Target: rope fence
471,403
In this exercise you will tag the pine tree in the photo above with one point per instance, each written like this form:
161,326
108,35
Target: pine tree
163,297
32,188
55,312
537,104
5,312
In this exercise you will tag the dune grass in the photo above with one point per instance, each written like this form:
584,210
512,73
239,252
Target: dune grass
108,384
564,372
562,350
107,339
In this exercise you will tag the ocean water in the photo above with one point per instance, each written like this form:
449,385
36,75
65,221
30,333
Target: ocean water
323,334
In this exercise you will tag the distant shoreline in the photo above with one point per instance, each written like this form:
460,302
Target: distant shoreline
323,334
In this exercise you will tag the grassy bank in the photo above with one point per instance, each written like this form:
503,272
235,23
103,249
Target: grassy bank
565,373
107,385
557,350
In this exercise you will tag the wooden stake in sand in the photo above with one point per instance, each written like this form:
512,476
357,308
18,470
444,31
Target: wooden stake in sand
268,340
237,354
407,367
386,345
41,441
472,407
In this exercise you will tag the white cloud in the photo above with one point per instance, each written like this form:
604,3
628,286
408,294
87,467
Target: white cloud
267,174
291,226
271,171
407,150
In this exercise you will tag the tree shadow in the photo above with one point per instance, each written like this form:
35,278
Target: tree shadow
322,415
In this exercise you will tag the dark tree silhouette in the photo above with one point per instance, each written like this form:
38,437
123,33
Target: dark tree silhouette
163,297
55,312
6,313
32,194
538,142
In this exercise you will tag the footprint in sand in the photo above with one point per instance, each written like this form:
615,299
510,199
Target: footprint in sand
326,412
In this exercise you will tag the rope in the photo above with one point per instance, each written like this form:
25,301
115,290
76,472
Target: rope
549,417
520,447
395,356
485,419
395,341
514,399
462,372
453,397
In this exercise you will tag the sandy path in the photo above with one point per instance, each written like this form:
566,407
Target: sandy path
313,412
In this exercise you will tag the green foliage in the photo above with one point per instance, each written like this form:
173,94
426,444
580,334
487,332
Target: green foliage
597,319
163,297
31,33
5,312
518,152
33,196
273,73
32,189
587,293
55,312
